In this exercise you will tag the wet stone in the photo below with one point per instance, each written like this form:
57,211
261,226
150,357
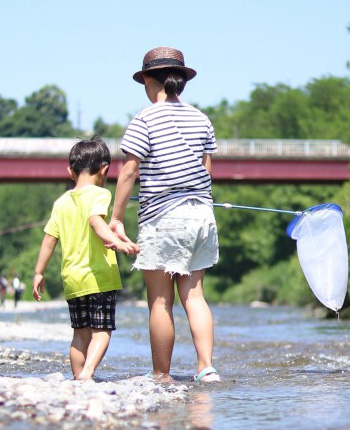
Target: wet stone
53,398
25,355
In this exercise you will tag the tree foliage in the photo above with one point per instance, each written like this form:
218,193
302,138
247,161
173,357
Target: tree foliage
319,110
7,107
44,114
22,205
107,130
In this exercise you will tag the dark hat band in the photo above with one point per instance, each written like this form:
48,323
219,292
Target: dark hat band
163,62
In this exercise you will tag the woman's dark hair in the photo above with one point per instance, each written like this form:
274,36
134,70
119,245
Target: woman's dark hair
174,80
89,156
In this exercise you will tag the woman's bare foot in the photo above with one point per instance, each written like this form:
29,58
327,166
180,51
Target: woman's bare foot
212,377
83,376
155,377
208,374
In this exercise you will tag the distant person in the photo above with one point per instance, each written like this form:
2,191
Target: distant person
89,270
170,143
17,289
3,289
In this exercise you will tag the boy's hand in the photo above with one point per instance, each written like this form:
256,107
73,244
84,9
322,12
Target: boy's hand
38,284
130,248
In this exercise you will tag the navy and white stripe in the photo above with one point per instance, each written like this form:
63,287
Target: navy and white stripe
170,140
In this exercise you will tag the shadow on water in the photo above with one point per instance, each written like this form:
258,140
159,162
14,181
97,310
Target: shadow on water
281,369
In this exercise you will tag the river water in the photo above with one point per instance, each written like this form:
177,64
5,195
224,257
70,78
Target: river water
281,368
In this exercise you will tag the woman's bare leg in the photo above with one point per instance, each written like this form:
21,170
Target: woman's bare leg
190,288
160,295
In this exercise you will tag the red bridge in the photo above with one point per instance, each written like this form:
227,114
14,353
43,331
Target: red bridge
237,160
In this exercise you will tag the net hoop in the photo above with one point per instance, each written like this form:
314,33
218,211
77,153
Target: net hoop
300,218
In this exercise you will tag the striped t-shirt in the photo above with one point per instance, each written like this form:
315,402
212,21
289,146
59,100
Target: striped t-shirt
170,140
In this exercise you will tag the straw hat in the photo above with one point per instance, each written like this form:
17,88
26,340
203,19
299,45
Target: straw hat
161,58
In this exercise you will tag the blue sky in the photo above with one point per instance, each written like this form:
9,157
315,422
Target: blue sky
91,48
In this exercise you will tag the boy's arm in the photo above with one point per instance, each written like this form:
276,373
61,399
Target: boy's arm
47,248
123,191
98,224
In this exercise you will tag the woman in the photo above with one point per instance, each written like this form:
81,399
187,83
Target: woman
170,144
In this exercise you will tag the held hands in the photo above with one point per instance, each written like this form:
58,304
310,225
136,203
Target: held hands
121,243
38,284
129,248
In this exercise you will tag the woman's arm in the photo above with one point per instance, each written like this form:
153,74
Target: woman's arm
207,162
123,191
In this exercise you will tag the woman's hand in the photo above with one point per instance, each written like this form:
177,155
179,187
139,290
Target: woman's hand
118,228
129,247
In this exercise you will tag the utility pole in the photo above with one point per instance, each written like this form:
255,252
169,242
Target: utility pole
78,117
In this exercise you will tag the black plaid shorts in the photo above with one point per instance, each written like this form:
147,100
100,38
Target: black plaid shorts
93,310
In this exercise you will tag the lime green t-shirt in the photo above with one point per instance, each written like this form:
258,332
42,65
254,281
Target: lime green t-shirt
87,266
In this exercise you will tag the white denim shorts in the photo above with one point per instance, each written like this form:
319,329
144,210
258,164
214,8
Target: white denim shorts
180,241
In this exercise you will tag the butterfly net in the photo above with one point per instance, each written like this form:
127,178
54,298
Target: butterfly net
322,252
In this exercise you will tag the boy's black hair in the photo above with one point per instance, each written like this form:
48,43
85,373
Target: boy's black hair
89,155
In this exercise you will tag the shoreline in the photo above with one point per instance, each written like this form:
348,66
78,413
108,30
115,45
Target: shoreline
31,306
35,306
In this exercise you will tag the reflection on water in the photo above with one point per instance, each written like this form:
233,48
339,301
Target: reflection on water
281,369
197,415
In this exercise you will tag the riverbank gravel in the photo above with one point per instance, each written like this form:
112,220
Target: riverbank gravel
51,400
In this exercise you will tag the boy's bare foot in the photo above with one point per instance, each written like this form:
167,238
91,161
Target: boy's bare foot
163,378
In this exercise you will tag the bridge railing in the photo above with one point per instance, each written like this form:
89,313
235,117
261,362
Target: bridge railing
283,148
269,148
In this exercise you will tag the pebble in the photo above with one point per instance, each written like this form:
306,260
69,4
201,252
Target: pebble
53,399
48,401
11,356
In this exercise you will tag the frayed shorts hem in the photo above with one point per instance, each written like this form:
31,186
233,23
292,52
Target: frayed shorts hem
171,271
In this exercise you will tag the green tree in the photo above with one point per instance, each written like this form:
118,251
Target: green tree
49,101
329,101
320,110
108,130
22,205
7,107
222,117
288,115
44,114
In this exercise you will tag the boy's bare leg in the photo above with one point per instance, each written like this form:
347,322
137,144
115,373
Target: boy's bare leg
199,316
160,295
78,349
97,348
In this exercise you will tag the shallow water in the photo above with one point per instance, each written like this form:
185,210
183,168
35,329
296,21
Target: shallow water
281,369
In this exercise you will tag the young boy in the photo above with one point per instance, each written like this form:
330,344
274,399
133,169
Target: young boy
89,270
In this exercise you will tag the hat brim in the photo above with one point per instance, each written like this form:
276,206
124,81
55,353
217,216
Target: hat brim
190,73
